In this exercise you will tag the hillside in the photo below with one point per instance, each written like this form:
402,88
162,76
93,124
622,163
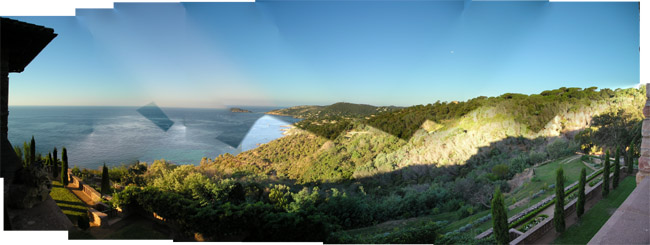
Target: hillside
444,133
333,173
340,109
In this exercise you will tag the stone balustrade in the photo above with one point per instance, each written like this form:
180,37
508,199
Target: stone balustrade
644,159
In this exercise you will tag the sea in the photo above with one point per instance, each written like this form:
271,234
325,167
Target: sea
94,135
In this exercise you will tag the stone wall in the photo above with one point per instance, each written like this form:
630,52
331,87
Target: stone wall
644,159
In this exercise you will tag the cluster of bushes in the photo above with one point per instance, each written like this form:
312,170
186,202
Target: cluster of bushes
422,233
533,222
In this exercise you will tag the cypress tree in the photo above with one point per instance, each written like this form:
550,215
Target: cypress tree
105,181
580,205
617,169
558,215
606,176
55,163
499,218
64,167
32,151
630,159
26,152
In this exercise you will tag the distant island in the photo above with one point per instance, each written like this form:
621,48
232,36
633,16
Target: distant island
239,110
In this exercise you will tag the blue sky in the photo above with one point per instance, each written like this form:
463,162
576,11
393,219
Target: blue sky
285,53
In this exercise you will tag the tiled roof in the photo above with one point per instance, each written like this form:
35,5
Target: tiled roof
21,42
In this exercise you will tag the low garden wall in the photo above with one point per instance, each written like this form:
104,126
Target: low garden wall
535,233
99,212
543,202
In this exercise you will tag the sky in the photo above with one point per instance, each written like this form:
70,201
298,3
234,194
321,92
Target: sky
287,53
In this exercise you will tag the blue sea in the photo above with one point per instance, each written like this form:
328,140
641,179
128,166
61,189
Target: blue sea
123,135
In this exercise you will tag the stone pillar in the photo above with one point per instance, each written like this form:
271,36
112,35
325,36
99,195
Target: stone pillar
644,159
4,114
4,99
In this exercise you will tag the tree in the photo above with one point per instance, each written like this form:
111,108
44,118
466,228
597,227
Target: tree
580,205
630,159
617,168
558,216
499,218
32,151
55,163
606,176
501,171
26,152
64,167
105,181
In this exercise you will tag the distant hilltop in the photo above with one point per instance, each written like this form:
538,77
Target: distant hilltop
342,109
239,110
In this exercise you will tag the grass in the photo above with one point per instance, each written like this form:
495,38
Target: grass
68,202
139,229
595,218
545,176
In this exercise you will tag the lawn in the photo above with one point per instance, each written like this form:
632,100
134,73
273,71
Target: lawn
68,202
595,218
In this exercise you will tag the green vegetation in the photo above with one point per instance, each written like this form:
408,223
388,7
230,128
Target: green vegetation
500,219
32,150
580,204
534,111
55,163
558,214
606,176
341,109
106,185
423,233
629,158
71,206
617,168
533,222
64,167
595,218
139,229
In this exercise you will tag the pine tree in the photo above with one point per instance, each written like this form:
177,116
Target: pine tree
105,181
64,167
558,215
617,168
580,205
32,151
499,218
606,176
55,163
630,159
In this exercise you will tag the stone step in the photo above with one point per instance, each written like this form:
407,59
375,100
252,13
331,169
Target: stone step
112,221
